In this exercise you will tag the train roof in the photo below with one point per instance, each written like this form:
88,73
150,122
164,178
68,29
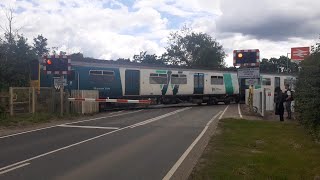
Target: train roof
89,62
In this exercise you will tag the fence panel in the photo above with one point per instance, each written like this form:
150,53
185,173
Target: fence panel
85,107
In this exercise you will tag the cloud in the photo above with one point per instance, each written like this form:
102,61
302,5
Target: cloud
111,29
271,20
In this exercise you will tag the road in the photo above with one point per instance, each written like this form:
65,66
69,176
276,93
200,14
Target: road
136,144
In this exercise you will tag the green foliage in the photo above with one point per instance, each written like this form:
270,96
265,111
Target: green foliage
194,49
145,58
40,45
308,92
278,65
15,59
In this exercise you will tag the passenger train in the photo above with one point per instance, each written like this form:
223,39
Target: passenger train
163,84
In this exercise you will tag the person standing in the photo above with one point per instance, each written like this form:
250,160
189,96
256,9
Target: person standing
279,100
288,96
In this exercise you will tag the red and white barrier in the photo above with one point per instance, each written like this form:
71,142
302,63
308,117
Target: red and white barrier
111,100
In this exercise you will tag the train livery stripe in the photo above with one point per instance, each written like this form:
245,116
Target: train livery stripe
228,83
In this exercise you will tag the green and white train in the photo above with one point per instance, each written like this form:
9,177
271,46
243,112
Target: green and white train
162,83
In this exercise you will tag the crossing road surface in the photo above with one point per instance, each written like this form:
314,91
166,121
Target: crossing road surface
137,144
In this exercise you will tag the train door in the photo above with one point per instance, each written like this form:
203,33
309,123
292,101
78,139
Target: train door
132,82
198,83
276,82
242,91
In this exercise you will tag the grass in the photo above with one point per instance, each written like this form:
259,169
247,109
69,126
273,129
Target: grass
259,150
30,119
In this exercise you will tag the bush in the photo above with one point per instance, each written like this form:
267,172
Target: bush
308,93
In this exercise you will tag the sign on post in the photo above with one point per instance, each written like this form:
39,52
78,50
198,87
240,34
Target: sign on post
252,82
250,73
299,53
59,82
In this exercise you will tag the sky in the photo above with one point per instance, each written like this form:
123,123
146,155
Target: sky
112,29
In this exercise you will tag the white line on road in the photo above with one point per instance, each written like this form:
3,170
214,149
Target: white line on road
89,127
239,110
185,154
24,132
158,118
81,142
223,112
11,169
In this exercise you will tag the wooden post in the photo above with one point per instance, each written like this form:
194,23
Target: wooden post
30,100
33,100
11,100
61,96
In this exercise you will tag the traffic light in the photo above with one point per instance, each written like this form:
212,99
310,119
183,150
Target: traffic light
246,57
56,64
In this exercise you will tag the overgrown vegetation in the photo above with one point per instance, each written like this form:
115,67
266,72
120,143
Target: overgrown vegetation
30,119
259,150
308,93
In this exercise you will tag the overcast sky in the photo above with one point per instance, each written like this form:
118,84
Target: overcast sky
110,29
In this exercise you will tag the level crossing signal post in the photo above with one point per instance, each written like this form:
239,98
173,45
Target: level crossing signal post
248,62
59,65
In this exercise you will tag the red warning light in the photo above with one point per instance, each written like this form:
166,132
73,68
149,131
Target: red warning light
49,62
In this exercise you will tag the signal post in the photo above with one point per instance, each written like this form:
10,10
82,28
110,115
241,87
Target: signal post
248,62
59,65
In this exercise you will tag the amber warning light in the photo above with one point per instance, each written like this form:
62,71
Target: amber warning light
240,55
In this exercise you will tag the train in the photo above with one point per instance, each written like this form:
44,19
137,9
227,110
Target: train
163,84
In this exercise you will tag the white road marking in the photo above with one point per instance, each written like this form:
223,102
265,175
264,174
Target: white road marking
89,127
158,118
239,110
81,142
24,132
11,169
185,154
223,112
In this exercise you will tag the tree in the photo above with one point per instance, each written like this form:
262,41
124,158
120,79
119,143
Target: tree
307,96
278,65
40,45
145,58
194,49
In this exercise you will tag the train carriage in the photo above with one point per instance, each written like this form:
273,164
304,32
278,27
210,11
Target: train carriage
162,83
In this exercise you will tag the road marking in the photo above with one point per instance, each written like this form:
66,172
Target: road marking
185,154
89,127
158,118
223,112
78,143
11,169
239,110
24,132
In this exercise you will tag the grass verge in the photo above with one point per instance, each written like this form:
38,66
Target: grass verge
259,150
30,119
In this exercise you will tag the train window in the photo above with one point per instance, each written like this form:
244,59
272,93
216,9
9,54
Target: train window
163,75
217,80
266,81
178,79
158,78
108,73
95,72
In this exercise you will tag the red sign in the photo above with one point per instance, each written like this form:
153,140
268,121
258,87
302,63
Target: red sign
299,53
